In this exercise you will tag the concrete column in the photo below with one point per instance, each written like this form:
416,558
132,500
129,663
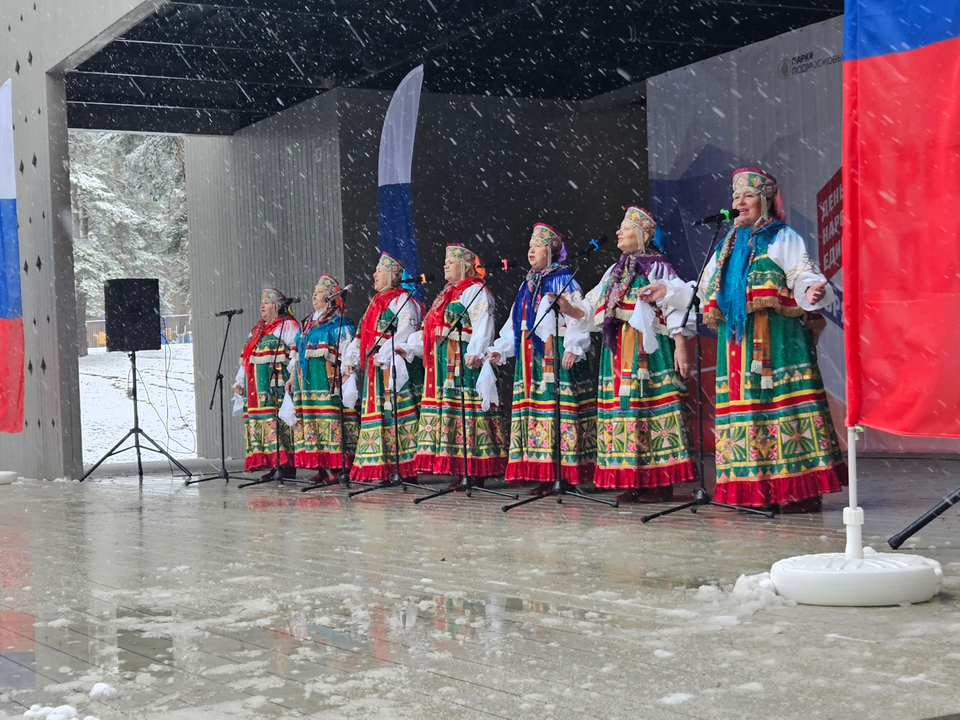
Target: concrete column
39,39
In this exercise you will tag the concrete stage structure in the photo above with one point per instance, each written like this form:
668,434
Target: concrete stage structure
530,112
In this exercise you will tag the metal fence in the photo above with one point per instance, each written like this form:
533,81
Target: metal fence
174,329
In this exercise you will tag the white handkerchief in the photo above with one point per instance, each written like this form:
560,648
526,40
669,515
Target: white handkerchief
287,413
546,320
237,404
385,356
644,320
350,394
487,387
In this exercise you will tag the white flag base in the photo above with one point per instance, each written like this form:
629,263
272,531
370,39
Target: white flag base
873,580
7,478
858,577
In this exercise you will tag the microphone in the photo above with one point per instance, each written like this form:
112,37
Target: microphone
592,246
346,289
422,280
722,216
501,265
229,313
284,305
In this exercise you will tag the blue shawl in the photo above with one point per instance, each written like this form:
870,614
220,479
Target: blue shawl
324,332
732,293
537,284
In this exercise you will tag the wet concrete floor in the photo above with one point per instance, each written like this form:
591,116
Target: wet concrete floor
213,602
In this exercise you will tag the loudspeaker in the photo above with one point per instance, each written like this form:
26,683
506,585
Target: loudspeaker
132,309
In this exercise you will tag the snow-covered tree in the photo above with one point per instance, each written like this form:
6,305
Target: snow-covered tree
130,215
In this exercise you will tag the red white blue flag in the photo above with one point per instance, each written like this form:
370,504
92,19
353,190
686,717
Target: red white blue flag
11,307
901,215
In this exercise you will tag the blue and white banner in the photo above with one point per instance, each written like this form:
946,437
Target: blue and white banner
396,161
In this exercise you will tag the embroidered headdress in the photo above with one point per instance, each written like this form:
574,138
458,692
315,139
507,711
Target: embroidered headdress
640,218
547,236
643,220
472,266
390,264
328,284
765,185
272,295
393,267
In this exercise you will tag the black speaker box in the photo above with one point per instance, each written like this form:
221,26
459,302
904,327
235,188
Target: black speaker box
132,309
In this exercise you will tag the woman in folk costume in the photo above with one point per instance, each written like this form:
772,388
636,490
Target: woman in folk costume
314,388
776,445
531,456
260,380
440,439
375,457
643,438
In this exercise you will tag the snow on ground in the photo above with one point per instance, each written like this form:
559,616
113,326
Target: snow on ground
166,399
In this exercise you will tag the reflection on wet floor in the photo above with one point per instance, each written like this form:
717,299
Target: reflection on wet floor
212,602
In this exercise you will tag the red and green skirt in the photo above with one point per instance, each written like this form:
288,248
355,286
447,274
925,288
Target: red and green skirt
375,458
261,426
643,431
532,426
441,433
775,444
317,434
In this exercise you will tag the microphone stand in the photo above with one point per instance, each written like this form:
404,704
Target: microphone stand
396,480
218,390
700,496
466,482
928,517
136,431
343,477
560,487
276,473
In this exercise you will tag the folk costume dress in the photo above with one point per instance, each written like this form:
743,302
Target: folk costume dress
440,438
316,393
776,443
643,431
262,374
375,458
531,456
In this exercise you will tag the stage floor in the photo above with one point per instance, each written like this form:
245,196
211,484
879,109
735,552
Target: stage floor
212,602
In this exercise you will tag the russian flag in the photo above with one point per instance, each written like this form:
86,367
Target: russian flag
901,215
395,165
11,307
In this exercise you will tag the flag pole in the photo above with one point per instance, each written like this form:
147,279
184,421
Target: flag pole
853,514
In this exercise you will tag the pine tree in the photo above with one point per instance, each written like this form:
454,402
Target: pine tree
129,215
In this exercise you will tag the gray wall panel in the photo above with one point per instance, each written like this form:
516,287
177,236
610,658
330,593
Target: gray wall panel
264,208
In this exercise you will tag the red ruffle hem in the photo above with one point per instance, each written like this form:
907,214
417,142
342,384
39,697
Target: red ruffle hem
262,461
430,464
379,473
525,471
316,461
651,476
783,490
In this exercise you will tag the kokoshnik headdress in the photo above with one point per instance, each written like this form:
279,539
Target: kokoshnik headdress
328,284
272,295
547,236
393,267
765,185
642,219
472,266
